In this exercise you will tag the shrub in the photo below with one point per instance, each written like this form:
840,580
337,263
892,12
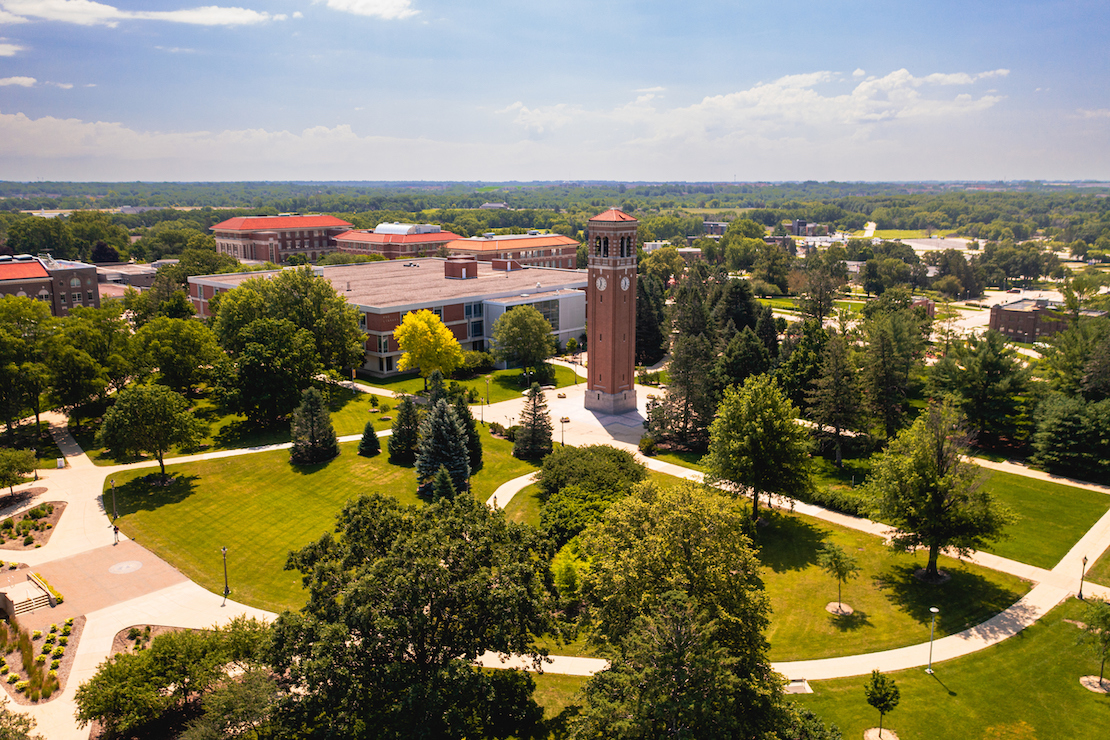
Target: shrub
12,678
496,428
63,641
20,686
133,633
28,540
647,445
54,664
373,401
386,408
13,566
4,670
53,628
49,640
59,651
69,622
8,523
36,635
40,660
66,630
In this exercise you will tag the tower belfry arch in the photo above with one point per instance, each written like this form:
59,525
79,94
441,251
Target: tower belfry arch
611,312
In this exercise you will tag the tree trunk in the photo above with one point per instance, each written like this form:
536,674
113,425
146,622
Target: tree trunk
839,455
931,569
880,725
839,599
755,505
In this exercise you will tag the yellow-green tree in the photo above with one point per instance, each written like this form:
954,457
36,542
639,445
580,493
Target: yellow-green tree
427,344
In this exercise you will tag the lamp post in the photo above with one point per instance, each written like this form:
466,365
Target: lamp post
487,401
115,512
563,431
1082,572
226,589
932,632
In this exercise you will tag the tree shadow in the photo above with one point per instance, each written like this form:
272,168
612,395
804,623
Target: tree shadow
788,542
967,600
857,620
310,468
147,493
244,433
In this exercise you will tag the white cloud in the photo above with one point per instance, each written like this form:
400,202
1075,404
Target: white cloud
10,50
298,14
21,81
543,119
90,13
175,49
858,73
63,85
6,17
1097,113
385,9
650,90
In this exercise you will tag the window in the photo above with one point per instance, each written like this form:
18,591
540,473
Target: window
75,282
62,296
605,246
550,311
88,296
76,297
438,311
473,310
477,328
362,321
383,343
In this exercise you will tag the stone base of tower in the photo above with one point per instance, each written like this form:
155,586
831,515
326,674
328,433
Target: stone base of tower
611,403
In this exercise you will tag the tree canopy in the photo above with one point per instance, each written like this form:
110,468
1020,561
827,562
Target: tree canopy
522,336
427,344
149,418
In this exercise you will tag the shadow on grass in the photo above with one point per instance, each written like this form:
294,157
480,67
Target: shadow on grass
146,493
788,542
310,468
243,433
966,600
857,620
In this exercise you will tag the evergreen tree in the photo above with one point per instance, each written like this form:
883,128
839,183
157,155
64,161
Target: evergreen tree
893,344
691,401
313,435
436,388
442,486
737,304
533,439
744,356
650,339
370,445
442,444
834,394
801,360
406,425
767,332
473,438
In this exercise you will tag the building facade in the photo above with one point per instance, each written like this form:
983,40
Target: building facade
528,250
277,238
611,307
64,284
1030,319
396,241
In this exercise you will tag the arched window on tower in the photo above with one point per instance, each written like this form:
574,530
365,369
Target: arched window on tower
597,246
605,246
622,246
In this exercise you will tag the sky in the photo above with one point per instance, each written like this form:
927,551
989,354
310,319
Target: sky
499,90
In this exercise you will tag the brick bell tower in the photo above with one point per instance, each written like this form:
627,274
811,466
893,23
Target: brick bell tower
611,313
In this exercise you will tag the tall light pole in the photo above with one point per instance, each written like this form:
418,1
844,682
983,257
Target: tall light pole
487,401
932,632
115,513
1082,572
226,589
563,431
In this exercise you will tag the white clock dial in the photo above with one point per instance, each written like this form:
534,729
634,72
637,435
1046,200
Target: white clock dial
625,282
601,282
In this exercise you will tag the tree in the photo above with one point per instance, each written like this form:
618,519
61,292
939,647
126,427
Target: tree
893,344
149,418
75,377
442,486
105,335
405,434
650,339
1071,439
313,436
840,565
690,401
16,725
882,694
755,445
744,356
595,467
801,360
1097,621
14,464
442,444
276,362
922,485
834,394
184,352
533,439
369,445
373,665
427,344
522,336
26,335
767,333
473,438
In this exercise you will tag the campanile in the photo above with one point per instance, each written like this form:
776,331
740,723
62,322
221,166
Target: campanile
611,313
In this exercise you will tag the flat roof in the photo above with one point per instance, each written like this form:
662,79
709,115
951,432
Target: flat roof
511,241
371,237
403,285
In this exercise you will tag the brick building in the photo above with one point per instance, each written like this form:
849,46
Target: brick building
396,241
1030,319
530,250
276,238
64,284
467,294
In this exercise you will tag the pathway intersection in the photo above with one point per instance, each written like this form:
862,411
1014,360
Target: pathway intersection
82,550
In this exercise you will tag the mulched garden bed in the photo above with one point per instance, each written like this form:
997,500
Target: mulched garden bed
39,530
65,662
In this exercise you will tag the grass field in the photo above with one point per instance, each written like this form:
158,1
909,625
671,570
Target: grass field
505,384
554,692
896,234
1024,688
260,507
1099,572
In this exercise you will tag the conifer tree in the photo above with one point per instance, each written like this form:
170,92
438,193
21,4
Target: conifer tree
473,439
834,396
442,444
744,356
370,445
313,435
533,439
436,388
442,486
649,321
402,441
767,332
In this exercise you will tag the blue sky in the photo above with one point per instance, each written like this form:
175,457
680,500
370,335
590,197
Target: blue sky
523,90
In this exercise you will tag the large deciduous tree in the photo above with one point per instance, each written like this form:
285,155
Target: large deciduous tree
922,485
149,418
275,363
184,352
14,464
400,604
522,336
755,445
427,344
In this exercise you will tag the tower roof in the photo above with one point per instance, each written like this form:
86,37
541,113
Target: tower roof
613,214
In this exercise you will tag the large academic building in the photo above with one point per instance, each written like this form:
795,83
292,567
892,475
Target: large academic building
64,284
468,294
277,238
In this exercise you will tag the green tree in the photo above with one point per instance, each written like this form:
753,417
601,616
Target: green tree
522,336
369,445
650,341
14,464
893,344
184,352
236,708
473,438
767,333
149,418
755,444
442,444
533,438
75,378
405,434
1097,621
838,564
882,694
687,410
744,356
105,335
27,331
16,725
427,344
275,363
442,485
834,398
594,467
802,355
1071,439
313,436
663,264
922,485
407,671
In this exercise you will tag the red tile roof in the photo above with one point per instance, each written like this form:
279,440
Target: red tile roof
22,270
370,237
509,244
612,215
269,223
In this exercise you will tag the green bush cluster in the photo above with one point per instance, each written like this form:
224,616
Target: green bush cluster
31,522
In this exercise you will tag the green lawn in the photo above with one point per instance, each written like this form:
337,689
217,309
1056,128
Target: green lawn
525,506
891,605
350,410
1024,688
505,384
260,507
896,234
1099,572
555,692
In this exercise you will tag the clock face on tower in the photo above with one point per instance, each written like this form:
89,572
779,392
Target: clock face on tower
625,283
601,282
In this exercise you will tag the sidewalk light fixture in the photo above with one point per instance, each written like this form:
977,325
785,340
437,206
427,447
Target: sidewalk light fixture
1082,572
226,589
563,430
115,512
932,632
